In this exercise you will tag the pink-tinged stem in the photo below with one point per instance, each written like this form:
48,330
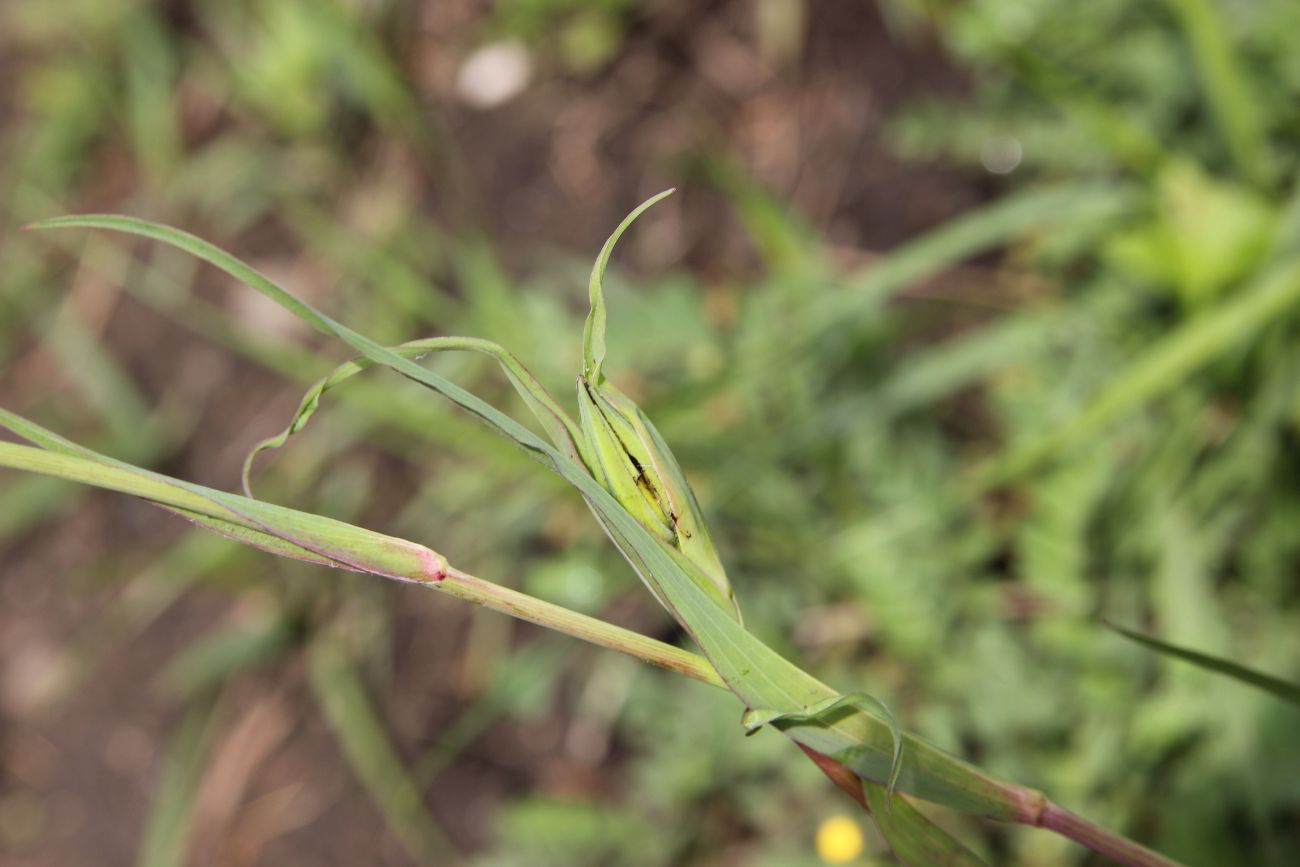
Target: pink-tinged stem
1119,849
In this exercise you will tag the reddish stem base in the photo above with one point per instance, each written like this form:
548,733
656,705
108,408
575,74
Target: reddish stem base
1099,840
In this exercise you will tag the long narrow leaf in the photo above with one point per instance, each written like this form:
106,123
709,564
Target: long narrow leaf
282,531
1226,91
356,724
1288,692
172,810
593,332
224,653
1166,364
958,239
557,423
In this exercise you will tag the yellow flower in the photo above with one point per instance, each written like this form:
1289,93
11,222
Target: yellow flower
839,840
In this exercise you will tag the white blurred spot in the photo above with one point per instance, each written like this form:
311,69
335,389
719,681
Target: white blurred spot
494,74
1001,154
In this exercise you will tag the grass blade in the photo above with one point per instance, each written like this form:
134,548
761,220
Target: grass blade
1226,92
564,432
213,658
356,724
1165,365
593,331
169,819
958,239
1288,692
282,531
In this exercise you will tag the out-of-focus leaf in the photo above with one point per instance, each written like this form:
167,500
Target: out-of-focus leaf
959,239
216,657
573,833
1166,364
356,723
1206,234
173,798
1226,90
516,688
1288,692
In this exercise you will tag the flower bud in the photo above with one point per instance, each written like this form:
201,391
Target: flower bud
629,458
638,468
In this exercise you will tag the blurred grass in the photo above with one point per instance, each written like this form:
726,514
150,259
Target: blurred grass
1116,325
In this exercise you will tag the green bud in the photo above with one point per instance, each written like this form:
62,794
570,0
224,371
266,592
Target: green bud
638,468
629,458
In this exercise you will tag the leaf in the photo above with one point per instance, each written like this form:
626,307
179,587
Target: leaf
1226,91
758,675
356,724
515,690
753,720
1164,365
1205,236
173,799
222,654
593,332
281,531
1288,692
915,840
564,432
955,240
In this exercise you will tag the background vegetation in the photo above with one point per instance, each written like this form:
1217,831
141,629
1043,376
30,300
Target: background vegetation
973,324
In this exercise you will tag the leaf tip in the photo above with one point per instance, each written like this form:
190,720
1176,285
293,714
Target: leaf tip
38,225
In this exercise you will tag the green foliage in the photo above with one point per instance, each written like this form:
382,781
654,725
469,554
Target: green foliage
841,433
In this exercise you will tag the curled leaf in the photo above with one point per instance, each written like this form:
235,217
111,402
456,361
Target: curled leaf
563,431
753,720
593,332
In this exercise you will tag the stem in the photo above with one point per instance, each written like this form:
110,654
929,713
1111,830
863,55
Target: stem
406,561
1042,814
464,586
1119,849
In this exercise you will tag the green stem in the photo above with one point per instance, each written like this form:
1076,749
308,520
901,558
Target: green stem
464,586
